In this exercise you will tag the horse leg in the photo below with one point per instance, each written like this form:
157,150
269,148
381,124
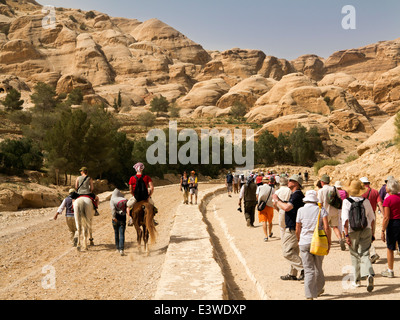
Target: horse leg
91,233
146,240
78,244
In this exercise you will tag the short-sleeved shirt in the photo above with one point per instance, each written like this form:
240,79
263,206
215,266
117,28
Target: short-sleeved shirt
323,198
373,197
132,181
393,202
296,199
308,216
368,211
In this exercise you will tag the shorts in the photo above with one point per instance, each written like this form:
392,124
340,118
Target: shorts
229,186
266,215
393,234
194,191
333,220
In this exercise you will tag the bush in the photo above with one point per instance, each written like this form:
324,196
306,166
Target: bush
322,163
13,101
238,110
147,119
90,15
18,155
159,104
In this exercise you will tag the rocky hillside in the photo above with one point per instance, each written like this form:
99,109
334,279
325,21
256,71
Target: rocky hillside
348,96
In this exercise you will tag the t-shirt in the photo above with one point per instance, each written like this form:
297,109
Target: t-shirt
373,197
323,198
263,192
368,211
296,199
132,181
308,216
393,202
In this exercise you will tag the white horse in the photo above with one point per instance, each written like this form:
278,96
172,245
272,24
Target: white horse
84,212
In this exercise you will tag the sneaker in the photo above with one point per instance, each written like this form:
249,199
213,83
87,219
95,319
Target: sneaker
248,222
342,245
321,292
266,239
374,258
271,234
301,278
121,252
96,213
387,274
288,277
370,285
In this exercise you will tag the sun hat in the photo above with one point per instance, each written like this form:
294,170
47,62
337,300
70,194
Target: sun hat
265,179
311,196
325,179
71,191
139,166
389,178
83,169
297,178
364,180
356,189
338,184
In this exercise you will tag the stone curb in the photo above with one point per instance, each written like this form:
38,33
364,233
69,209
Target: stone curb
190,271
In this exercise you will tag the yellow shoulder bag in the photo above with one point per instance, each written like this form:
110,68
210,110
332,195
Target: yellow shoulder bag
319,242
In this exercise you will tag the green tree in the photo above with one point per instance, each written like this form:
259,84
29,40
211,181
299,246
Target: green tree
44,98
265,149
238,110
159,104
17,155
75,97
304,145
147,119
13,101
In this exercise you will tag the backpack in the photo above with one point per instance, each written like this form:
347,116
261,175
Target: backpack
357,217
141,193
334,200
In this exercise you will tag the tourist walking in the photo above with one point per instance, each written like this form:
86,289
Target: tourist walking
69,214
264,193
306,221
382,190
248,194
236,183
375,199
333,213
193,187
359,241
290,246
184,186
391,223
119,211
229,183
283,194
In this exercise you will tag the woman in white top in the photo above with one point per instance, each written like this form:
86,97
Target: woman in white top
306,220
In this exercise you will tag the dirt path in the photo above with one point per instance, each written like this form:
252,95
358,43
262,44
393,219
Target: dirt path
253,267
32,249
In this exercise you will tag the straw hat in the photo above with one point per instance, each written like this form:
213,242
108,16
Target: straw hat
265,179
71,191
356,189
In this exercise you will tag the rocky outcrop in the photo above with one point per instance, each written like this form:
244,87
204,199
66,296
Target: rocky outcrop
9,200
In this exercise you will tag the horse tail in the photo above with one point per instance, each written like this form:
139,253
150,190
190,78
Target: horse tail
151,227
82,213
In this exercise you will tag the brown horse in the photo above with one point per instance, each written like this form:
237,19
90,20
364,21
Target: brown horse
143,219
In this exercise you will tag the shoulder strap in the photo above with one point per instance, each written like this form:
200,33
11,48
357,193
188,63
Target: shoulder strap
82,183
350,200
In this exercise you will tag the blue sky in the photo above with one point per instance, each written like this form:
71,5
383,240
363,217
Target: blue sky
282,28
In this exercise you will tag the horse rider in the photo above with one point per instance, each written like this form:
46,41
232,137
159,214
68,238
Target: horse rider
141,188
84,187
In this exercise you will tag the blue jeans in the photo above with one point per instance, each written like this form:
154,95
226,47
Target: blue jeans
119,230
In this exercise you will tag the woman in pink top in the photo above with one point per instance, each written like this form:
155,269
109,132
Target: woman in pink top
343,193
391,223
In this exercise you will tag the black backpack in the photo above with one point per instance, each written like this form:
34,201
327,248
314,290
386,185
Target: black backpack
141,193
357,217
334,200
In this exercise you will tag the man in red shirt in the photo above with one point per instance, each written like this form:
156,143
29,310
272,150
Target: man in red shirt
139,167
373,196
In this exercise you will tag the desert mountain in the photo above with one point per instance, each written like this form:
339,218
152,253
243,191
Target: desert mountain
348,95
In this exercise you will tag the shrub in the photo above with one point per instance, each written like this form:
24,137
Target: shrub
322,163
238,110
13,100
147,119
159,104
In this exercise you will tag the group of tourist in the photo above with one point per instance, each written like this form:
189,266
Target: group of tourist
349,212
